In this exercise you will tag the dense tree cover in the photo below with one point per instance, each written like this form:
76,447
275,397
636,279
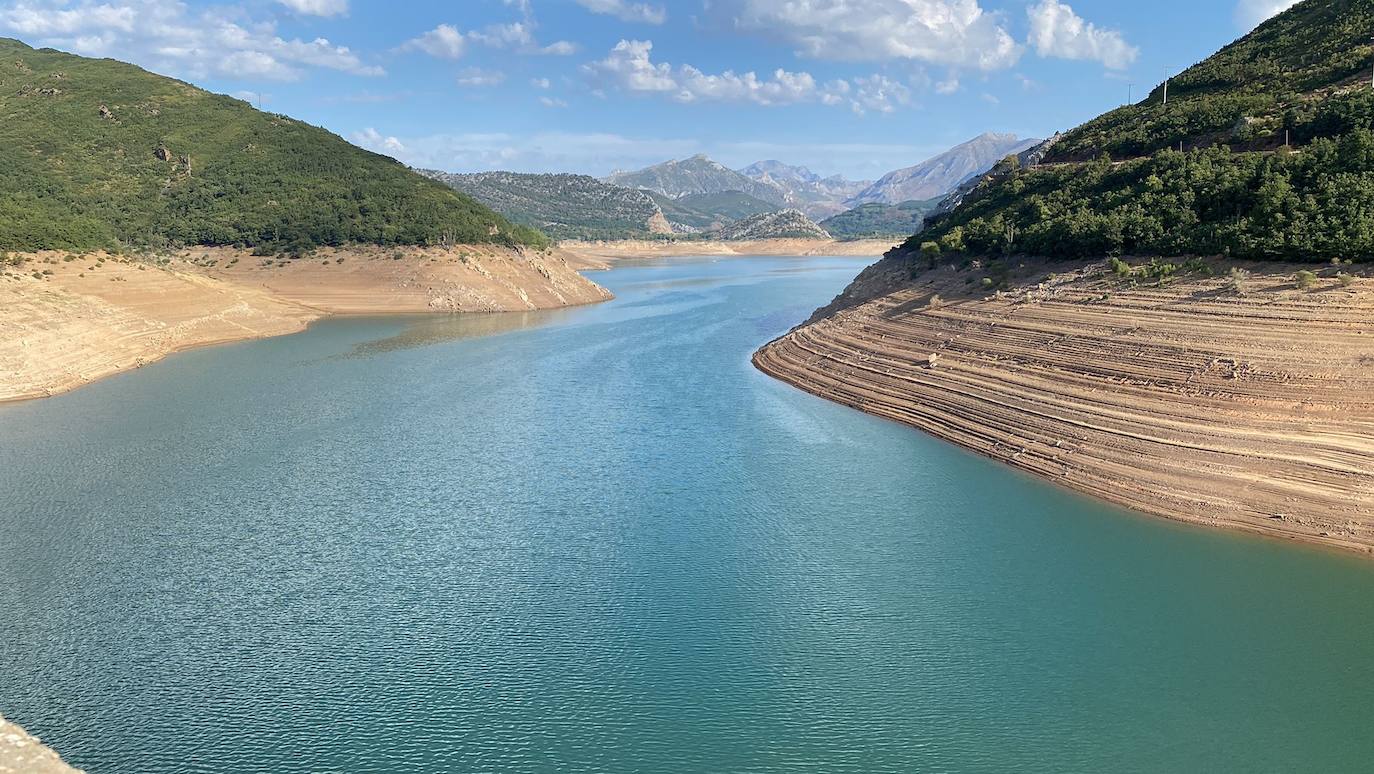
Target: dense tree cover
1312,204
876,219
1236,190
101,154
561,205
1248,93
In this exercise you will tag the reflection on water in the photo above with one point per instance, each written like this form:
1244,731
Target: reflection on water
438,329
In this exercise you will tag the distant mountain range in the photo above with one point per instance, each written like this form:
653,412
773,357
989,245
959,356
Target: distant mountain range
696,175
698,196
563,206
939,175
805,190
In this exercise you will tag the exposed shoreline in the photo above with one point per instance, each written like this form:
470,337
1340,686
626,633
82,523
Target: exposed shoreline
602,254
1249,409
97,315
23,753
93,316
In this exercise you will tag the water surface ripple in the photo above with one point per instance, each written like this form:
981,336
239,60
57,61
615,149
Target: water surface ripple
597,540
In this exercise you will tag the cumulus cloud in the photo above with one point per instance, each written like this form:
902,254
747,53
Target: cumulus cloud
164,35
630,67
1056,31
627,11
552,102
374,140
448,42
946,32
317,7
559,48
1250,13
474,77
444,41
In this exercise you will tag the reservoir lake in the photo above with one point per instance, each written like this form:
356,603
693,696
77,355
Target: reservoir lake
597,540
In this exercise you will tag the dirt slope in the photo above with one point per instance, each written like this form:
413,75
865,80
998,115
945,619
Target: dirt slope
97,315
1249,407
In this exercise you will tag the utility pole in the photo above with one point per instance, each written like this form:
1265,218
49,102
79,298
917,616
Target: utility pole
1166,87
1129,87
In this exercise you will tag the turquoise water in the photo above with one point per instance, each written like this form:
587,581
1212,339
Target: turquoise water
598,540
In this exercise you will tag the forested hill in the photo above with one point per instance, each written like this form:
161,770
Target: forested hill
96,153
1120,185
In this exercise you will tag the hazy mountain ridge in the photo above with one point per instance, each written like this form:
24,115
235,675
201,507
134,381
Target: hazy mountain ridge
695,175
941,174
816,196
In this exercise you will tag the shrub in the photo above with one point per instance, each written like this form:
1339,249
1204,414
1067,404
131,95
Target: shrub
1305,279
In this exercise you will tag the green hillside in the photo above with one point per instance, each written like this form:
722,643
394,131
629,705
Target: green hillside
562,206
102,154
708,211
876,219
1119,185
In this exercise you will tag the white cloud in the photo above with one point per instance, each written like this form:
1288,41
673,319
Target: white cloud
879,93
448,42
317,7
552,102
374,140
948,32
540,83
1056,31
627,11
474,77
444,41
504,35
1250,13
630,67
559,48
164,35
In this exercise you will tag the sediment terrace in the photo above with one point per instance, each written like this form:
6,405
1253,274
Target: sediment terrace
1245,403
66,320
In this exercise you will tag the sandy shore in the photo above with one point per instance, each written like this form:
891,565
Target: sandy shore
601,254
21,753
1249,406
65,323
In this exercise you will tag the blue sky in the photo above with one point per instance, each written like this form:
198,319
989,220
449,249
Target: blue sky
853,87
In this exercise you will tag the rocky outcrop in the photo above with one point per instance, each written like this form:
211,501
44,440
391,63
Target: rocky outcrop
784,224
